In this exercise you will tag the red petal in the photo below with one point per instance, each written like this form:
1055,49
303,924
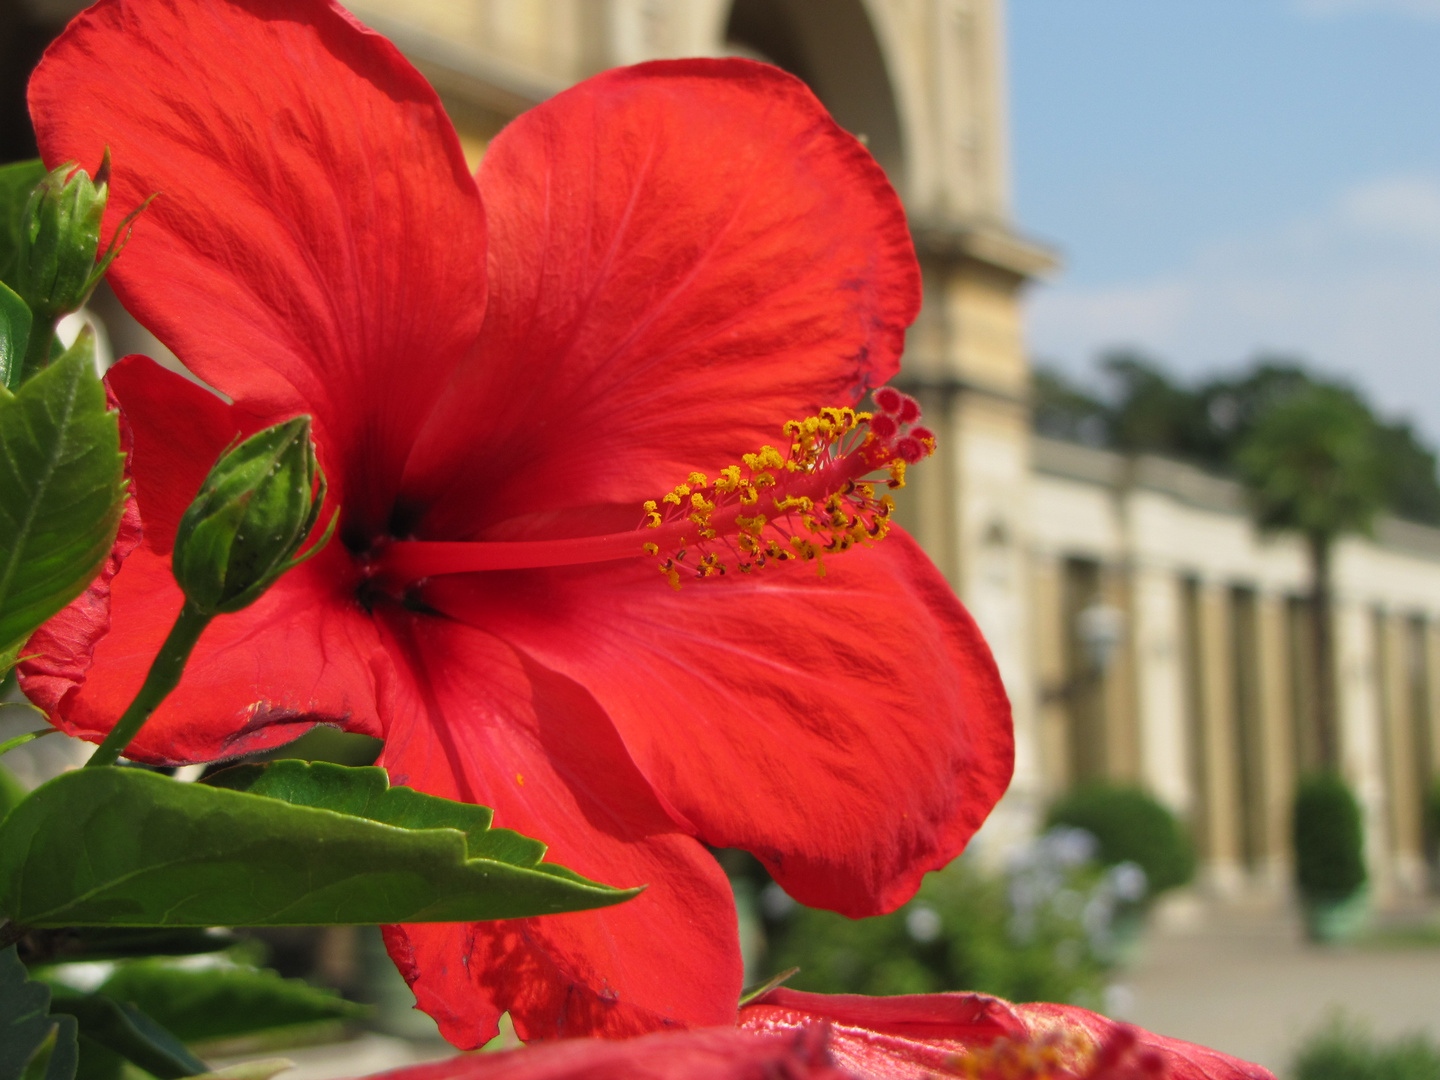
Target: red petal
918,1037
683,255
1182,1060
488,725
912,1037
714,1054
317,245
304,653
850,730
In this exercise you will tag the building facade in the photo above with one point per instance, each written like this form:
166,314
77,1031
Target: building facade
1146,631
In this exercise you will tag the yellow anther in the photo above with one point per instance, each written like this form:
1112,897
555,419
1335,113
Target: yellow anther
696,479
751,525
652,549
767,458
897,475
699,502
729,479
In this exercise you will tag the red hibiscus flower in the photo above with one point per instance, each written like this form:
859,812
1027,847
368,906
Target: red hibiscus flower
797,1036
650,274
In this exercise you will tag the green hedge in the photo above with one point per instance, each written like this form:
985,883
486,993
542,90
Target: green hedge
1130,826
1329,839
959,933
1345,1053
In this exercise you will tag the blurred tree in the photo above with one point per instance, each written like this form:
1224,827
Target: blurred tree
1141,409
1151,413
1409,465
1313,465
1062,410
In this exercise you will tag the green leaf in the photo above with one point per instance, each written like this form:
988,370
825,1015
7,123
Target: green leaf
62,490
11,792
22,739
17,181
223,1001
91,943
26,1025
126,1031
15,321
125,847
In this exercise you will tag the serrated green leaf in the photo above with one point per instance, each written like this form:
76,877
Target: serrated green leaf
125,847
26,1025
366,793
127,1032
15,322
223,1001
62,490
17,181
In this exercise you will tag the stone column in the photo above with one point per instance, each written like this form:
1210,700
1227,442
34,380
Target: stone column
1277,744
1047,617
1431,647
1157,632
1219,819
1362,756
1406,826
1118,705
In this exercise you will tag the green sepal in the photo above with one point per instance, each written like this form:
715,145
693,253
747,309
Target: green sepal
62,490
17,181
321,845
254,511
59,239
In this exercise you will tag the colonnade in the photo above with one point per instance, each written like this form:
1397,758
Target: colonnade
1207,696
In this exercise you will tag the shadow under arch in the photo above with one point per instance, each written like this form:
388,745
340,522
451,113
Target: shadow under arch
831,45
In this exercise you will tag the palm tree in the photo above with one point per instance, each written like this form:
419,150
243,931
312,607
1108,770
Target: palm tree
1313,464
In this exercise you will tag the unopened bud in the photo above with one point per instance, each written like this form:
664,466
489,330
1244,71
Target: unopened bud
60,235
252,515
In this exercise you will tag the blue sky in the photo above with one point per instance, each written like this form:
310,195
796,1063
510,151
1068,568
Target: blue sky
1229,176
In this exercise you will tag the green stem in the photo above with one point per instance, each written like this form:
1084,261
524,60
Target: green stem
164,676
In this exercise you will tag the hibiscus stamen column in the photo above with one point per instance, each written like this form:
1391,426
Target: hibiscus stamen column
802,505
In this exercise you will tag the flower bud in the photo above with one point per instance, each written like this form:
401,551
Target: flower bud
59,238
254,511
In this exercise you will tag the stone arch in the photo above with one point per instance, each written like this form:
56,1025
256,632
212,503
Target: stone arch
832,46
